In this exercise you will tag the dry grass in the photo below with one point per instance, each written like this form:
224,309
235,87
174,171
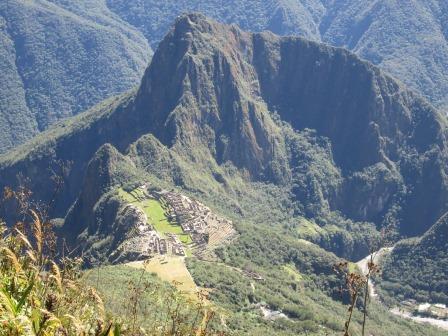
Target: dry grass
170,269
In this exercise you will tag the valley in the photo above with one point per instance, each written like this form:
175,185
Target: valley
226,188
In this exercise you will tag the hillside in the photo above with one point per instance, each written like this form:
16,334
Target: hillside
413,48
421,264
59,58
282,137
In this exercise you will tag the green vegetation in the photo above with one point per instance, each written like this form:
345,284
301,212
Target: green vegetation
172,270
154,307
45,142
313,304
107,55
309,230
150,301
157,217
353,268
126,196
156,213
313,175
302,182
43,295
43,83
185,238
309,309
418,268
35,303
290,269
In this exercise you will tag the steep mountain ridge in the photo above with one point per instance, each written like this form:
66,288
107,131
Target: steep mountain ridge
212,108
307,149
218,97
412,48
106,169
104,51
376,118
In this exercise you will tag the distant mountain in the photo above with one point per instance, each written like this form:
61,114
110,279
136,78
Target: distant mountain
59,58
418,268
290,139
411,47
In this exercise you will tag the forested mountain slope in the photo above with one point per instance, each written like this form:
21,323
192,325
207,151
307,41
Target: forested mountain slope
59,58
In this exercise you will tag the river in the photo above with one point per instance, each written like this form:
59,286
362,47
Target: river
363,266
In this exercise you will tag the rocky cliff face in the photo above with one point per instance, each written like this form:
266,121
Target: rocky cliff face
204,91
331,129
105,55
226,82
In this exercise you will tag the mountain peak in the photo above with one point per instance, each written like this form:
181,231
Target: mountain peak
216,95
197,22
204,91
192,21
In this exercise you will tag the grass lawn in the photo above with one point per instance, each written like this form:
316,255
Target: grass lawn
155,211
156,215
185,238
170,269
